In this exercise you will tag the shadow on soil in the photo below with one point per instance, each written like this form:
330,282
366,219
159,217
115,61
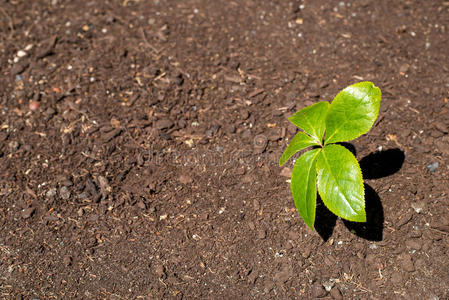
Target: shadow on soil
375,165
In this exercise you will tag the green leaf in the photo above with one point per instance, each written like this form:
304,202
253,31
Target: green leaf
352,112
340,183
298,143
303,186
311,119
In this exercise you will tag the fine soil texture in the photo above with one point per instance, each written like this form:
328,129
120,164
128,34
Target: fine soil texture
139,147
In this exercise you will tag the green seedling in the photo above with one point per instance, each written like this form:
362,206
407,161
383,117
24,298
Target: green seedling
328,166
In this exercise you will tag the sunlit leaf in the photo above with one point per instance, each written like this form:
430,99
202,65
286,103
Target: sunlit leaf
311,119
340,183
352,112
303,186
298,143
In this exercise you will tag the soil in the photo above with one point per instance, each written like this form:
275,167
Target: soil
139,143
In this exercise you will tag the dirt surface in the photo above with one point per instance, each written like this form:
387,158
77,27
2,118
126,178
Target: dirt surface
139,143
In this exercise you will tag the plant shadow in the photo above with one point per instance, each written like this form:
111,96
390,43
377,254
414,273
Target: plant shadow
382,163
372,229
375,165
325,220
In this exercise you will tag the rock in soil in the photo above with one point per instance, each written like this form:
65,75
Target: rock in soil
28,212
406,262
336,294
64,193
396,278
318,291
164,124
67,260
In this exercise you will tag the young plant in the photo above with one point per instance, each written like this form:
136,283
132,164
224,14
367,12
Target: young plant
329,166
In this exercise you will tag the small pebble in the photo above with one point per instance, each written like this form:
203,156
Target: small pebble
433,166
33,105
64,193
67,260
328,285
28,212
80,212
21,53
419,206
51,193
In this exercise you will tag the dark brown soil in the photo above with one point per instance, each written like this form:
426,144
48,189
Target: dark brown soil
139,143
